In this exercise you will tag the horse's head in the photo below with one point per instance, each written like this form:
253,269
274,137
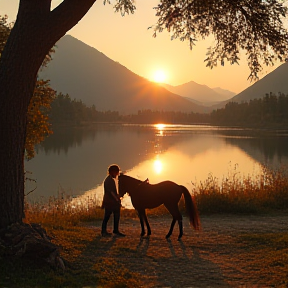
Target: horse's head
121,184
128,184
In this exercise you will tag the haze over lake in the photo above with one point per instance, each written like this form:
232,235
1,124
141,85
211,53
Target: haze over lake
75,161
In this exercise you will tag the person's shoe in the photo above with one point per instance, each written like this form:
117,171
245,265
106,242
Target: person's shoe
118,234
106,234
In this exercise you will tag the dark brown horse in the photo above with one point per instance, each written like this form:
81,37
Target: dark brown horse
147,196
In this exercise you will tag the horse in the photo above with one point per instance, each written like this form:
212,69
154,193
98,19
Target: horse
147,196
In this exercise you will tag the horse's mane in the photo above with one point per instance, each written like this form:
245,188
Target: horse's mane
131,178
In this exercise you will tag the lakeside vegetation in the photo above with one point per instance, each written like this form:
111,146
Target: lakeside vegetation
235,193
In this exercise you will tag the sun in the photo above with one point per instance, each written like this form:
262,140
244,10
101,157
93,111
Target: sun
159,76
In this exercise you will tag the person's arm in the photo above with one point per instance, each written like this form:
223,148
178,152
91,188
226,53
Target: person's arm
116,196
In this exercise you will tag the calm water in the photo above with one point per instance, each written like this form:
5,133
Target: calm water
76,160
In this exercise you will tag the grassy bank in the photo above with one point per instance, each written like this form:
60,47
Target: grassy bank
63,220
262,193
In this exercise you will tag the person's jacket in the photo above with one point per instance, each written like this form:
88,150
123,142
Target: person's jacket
109,202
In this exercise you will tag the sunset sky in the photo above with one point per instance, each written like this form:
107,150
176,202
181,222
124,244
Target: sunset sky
128,41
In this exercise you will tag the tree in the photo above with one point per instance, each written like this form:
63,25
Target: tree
252,25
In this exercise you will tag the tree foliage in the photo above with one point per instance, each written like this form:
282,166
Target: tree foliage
253,26
38,126
5,28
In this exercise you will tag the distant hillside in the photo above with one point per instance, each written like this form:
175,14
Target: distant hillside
226,93
275,82
200,94
87,74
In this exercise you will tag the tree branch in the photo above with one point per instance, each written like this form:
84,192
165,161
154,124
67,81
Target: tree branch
67,14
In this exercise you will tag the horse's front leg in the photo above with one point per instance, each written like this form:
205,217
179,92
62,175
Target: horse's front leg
147,224
141,215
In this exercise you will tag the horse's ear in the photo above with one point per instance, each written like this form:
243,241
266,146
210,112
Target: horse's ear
147,181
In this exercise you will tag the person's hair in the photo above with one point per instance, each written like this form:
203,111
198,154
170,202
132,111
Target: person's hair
113,167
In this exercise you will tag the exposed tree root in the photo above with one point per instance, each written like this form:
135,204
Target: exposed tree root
30,241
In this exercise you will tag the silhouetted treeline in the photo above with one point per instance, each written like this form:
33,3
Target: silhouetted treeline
66,111
269,111
149,116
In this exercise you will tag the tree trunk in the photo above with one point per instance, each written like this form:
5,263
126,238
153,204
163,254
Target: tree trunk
19,66
35,32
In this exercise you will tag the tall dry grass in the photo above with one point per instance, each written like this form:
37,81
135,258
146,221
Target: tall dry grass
236,193
63,210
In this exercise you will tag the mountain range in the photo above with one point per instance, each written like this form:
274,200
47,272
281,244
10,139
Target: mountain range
200,94
88,75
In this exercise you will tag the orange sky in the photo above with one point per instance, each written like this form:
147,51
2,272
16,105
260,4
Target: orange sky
128,41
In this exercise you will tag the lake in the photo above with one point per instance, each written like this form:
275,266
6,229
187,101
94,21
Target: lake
75,160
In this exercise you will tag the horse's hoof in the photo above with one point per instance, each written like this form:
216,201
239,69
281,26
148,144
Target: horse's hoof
179,237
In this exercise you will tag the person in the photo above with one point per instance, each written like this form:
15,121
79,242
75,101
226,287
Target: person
111,201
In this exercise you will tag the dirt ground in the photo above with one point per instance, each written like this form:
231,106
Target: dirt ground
229,251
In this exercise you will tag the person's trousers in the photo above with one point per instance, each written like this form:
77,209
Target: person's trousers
107,214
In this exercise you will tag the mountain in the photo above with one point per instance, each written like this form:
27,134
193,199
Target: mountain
226,93
275,82
87,74
200,94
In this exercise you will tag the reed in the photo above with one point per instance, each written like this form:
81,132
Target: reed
236,193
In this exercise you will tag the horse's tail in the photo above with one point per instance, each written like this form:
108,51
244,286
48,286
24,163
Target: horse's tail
191,208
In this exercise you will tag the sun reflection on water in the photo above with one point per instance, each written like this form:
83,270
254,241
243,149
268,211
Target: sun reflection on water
160,129
160,126
158,166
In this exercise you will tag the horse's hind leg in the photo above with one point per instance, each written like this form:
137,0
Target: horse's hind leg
171,228
174,211
141,215
180,223
147,223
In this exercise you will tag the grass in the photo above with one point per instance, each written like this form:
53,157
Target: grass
269,253
244,194
62,217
